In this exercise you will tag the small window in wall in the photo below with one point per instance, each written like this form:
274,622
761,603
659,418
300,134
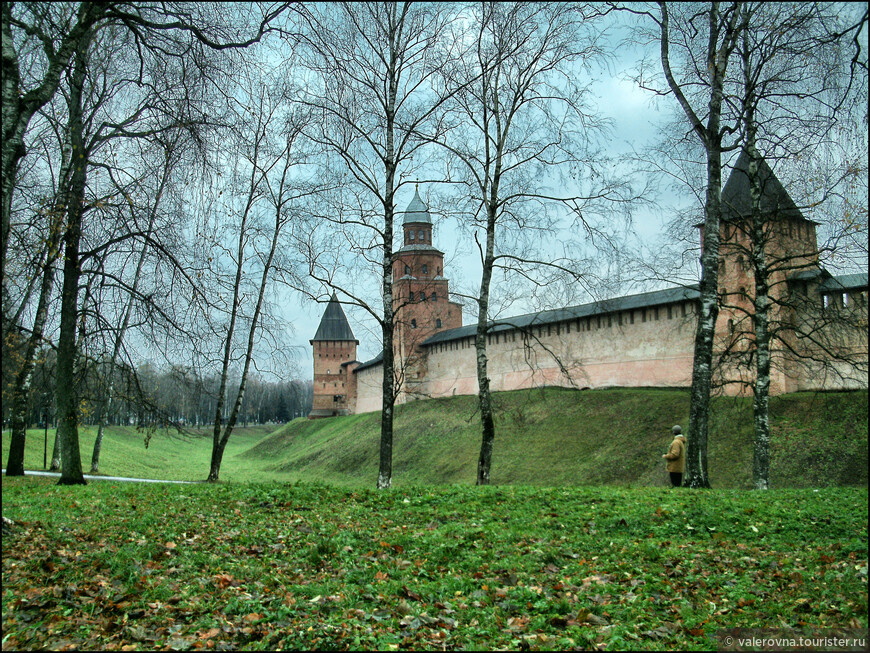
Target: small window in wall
631,317
413,324
683,310
599,322
425,269
609,321
670,312
412,234
439,270
643,315
422,296
438,323
434,296
411,296
420,235
407,269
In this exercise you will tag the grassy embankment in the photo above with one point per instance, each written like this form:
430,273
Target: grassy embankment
552,437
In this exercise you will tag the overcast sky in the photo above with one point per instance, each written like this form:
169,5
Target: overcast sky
636,115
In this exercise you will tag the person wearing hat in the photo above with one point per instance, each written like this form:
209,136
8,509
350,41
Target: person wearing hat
676,457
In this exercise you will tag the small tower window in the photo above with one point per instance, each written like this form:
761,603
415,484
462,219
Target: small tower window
438,323
420,235
425,269
412,234
411,296
434,297
413,324
407,269
422,295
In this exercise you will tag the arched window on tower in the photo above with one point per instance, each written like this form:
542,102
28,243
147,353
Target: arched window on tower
412,235
438,323
413,324
434,296
407,269
411,296
420,235
422,295
425,269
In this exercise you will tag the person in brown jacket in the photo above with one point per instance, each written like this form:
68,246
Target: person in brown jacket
676,457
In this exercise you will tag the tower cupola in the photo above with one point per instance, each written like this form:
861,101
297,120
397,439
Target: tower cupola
417,223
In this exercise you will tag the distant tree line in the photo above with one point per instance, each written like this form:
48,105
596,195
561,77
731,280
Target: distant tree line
148,397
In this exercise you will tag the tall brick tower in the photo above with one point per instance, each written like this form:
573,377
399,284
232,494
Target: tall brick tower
791,254
334,352
420,295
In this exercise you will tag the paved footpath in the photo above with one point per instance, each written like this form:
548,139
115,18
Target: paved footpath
107,478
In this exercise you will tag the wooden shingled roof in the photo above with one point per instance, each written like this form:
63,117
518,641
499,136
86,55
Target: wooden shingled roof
333,325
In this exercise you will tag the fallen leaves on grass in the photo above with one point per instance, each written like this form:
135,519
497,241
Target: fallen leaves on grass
368,570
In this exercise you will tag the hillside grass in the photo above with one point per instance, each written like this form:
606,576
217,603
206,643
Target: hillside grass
544,437
126,566
563,437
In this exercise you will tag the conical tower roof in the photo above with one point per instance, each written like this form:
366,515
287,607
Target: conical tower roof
737,202
333,324
417,211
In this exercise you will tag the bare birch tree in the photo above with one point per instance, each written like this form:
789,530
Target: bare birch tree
796,80
696,46
374,64
521,127
262,189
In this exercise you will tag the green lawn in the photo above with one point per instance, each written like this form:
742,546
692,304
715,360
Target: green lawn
169,455
112,566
